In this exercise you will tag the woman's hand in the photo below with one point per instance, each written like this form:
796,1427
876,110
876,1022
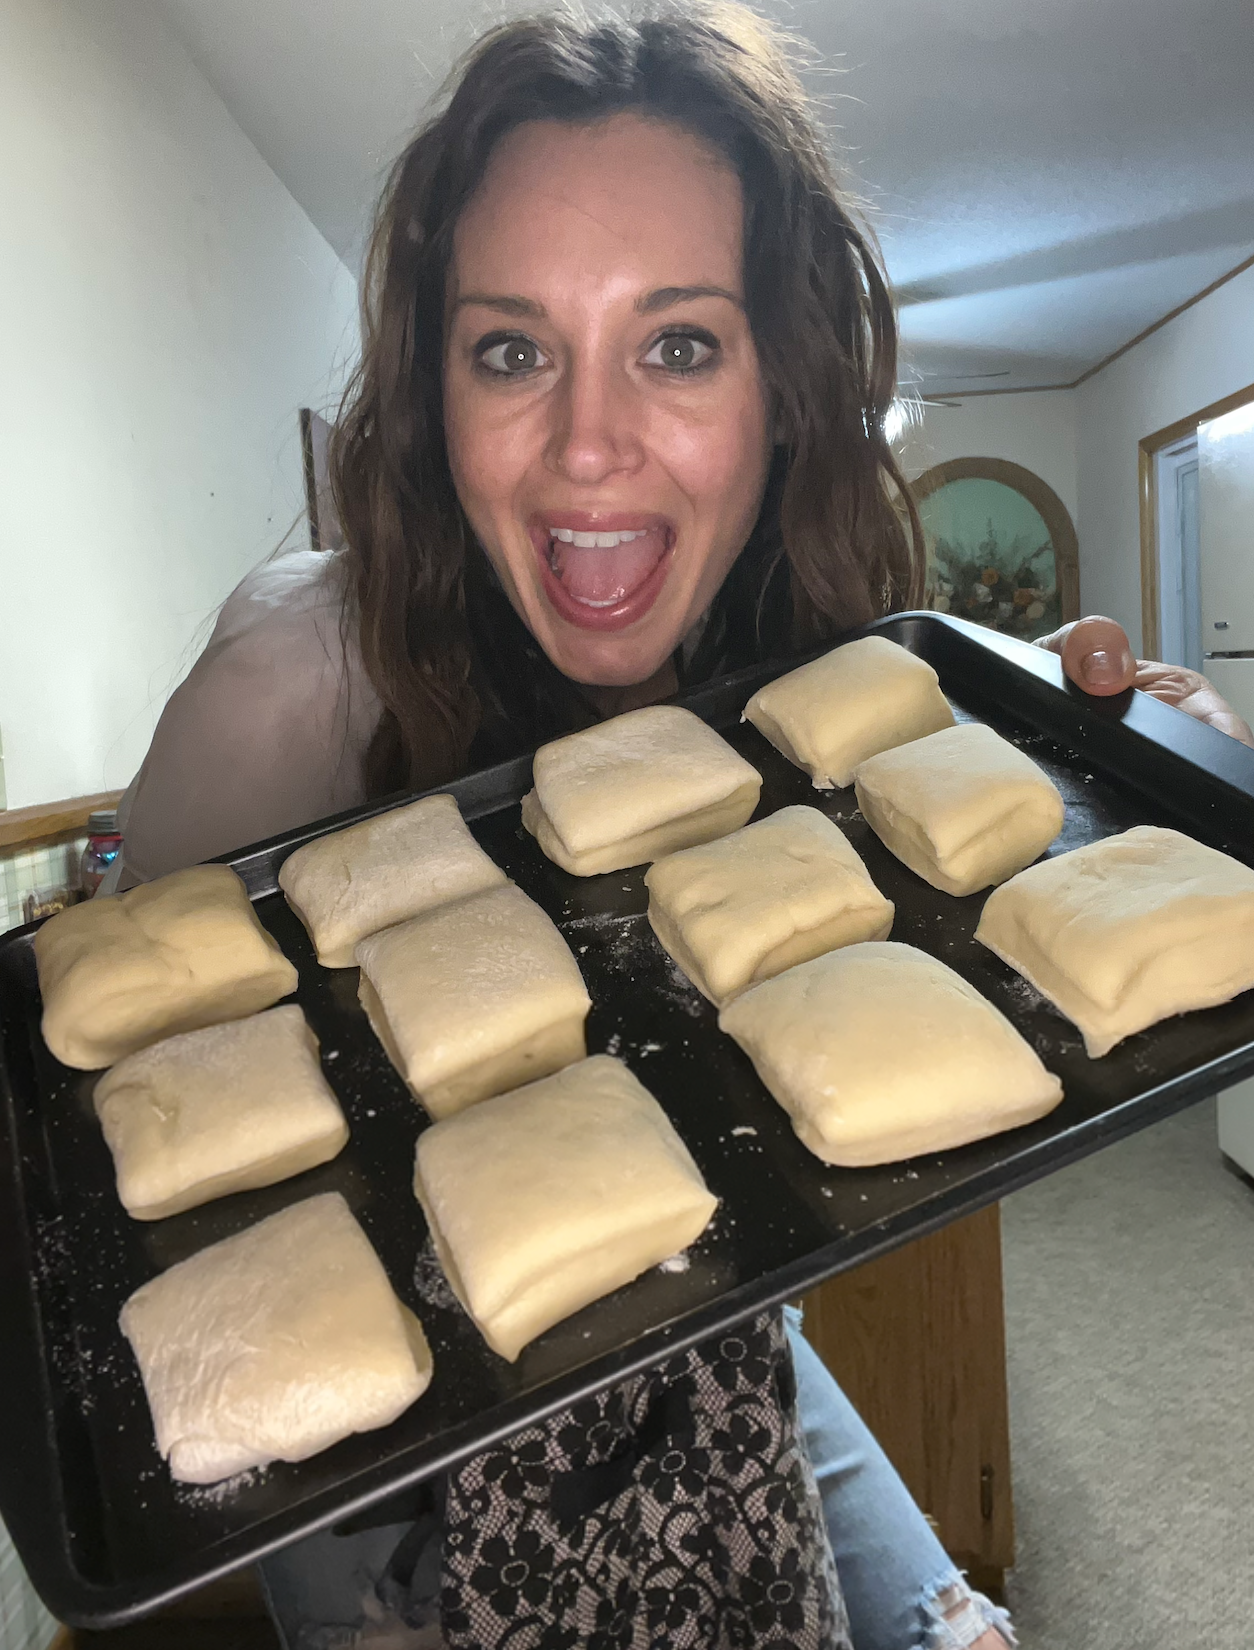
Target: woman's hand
1097,656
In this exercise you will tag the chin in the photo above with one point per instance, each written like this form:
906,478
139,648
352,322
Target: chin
609,660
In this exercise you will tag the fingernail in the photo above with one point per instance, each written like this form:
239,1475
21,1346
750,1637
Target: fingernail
1102,667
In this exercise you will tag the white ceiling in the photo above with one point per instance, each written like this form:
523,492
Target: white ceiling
1047,178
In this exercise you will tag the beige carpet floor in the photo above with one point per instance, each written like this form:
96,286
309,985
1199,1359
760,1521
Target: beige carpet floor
1130,1324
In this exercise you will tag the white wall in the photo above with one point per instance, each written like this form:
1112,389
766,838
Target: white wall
1037,430
1200,357
165,308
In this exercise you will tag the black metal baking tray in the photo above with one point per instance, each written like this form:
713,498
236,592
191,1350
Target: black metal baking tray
106,1534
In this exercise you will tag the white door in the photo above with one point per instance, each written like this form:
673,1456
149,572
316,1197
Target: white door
1225,454
1179,611
1225,502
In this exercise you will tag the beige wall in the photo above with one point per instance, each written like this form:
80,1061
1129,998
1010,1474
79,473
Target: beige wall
1200,357
1036,430
167,310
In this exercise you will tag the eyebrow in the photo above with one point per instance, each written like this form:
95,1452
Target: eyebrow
505,303
665,297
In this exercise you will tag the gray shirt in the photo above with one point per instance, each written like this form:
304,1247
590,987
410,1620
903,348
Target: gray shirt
268,730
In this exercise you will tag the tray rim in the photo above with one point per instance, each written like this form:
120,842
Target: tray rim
1219,769
1184,744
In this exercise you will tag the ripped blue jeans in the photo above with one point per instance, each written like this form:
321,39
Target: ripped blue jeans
901,1589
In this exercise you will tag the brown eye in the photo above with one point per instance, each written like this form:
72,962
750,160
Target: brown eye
682,352
511,355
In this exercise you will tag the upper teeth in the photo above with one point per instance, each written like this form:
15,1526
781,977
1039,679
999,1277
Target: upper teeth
595,541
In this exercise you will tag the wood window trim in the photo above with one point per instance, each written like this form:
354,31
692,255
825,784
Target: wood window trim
49,821
1039,494
1148,449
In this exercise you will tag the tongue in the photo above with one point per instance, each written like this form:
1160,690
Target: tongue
603,577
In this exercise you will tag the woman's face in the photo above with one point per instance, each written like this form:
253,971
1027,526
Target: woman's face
606,420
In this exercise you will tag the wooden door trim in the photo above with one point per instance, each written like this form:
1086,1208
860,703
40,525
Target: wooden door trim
1148,449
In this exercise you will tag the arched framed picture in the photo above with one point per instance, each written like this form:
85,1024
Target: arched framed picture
1002,549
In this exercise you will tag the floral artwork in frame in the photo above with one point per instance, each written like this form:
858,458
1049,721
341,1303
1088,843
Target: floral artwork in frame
1002,549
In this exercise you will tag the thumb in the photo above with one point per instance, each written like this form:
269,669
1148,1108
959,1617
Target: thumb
1096,655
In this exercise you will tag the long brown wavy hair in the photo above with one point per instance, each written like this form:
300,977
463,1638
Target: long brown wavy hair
837,541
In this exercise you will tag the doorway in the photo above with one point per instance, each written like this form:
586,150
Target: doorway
1172,620
1179,562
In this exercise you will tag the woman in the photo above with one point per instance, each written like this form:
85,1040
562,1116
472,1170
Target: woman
617,427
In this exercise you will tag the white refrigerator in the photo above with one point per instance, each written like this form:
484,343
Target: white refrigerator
1225,503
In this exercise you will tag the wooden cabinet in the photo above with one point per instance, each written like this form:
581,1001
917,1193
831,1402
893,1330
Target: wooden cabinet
917,1340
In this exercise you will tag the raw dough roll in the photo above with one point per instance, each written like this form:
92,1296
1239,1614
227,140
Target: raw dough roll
382,871
861,698
545,1199
274,1344
879,1052
635,788
1126,931
126,970
217,1111
770,895
474,998
962,808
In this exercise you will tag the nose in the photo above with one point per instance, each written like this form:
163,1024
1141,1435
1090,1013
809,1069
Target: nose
595,430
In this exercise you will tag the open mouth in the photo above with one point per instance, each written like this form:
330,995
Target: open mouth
603,577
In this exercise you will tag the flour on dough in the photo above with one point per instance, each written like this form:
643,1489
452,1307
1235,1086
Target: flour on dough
548,1198
354,882
274,1344
474,998
768,896
217,1111
126,970
634,788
